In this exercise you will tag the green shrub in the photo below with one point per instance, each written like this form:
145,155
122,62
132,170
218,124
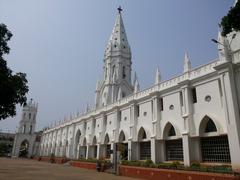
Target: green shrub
195,166
147,163
175,164
91,160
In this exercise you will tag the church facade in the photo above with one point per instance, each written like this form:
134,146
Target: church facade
190,117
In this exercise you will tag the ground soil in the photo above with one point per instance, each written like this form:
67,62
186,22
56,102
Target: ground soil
25,169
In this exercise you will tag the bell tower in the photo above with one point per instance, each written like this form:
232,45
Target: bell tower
117,69
25,144
28,121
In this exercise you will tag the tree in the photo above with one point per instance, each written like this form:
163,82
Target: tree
13,87
232,20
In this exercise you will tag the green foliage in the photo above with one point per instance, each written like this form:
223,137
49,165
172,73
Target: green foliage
13,87
195,166
232,20
175,164
91,160
4,149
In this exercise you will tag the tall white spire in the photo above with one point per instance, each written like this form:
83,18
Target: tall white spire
136,86
118,38
157,77
117,66
187,64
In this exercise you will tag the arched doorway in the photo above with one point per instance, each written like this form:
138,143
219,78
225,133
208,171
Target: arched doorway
83,149
94,144
214,148
122,146
107,147
92,152
144,145
173,144
24,148
77,144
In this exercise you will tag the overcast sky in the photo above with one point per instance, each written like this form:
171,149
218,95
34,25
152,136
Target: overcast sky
59,44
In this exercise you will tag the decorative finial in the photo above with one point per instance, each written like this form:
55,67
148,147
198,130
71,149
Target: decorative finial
119,9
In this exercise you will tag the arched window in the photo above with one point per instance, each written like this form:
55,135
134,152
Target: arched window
210,126
30,129
106,140
142,134
113,70
172,131
123,72
122,137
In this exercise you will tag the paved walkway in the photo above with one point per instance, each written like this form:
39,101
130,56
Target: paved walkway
24,169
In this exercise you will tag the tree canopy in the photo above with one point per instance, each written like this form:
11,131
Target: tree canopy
231,22
13,87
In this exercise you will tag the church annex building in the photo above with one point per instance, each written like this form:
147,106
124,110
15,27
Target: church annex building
190,117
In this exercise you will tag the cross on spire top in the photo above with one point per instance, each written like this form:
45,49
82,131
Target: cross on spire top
119,9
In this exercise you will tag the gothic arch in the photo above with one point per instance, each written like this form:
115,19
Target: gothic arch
142,134
84,142
24,148
77,137
208,125
122,137
106,139
170,131
94,141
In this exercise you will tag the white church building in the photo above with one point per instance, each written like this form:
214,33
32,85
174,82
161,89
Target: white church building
190,117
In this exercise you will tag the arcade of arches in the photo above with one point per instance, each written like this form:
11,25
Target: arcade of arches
213,147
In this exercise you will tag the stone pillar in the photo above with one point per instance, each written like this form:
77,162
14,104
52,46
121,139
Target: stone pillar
133,123
156,116
88,153
186,150
77,152
161,151
98,151
132,151
153,150
111,156
231,109
187,115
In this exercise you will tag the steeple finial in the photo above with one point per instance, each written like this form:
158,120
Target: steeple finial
136,86
119,9
158,76
187,63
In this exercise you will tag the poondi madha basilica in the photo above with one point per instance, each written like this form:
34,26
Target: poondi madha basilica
190,117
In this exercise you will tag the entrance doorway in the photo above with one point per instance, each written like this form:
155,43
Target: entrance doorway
24,148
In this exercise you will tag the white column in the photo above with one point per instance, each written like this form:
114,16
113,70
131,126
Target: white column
111,156
132,151
186,150
98,151
153,150
231,115
133,123
88,151
156,116
187,115
77,152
